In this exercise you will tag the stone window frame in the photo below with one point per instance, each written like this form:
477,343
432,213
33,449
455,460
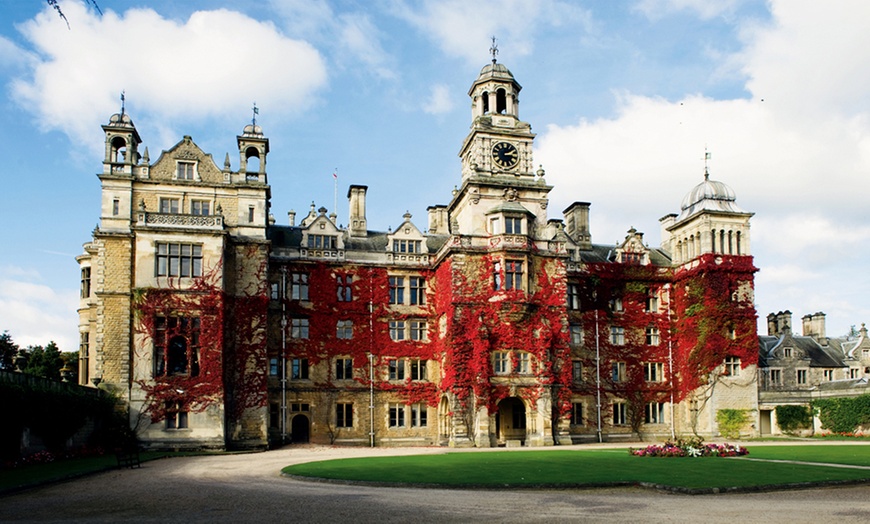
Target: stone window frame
299,327
176,417
802,376
299,368
654,413
344,414
618,413
343,368
577,418
186,170
654,372
344,329
178,259
618,371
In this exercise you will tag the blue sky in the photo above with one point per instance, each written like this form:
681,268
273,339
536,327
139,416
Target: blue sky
625,97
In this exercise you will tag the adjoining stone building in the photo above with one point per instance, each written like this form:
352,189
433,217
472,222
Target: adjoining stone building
797,369
493,325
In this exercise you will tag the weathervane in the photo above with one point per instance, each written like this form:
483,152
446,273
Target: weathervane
123,103
707,156
493,49
256,112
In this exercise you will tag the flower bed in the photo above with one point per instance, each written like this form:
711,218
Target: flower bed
689,448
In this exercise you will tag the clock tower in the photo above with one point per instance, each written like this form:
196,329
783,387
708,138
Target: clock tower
497,166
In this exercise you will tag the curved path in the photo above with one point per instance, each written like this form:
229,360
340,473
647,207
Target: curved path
249,488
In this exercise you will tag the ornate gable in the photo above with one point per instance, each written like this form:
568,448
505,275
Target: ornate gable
184,160
632,250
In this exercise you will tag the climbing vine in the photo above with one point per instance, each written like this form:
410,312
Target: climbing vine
714,318
197,315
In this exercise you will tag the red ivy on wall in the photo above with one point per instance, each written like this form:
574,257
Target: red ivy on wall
235,356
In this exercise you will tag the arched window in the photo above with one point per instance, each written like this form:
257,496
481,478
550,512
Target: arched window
176,346
119,150
252,160
713,241
730,244
500,101
485,97
738,242
722,241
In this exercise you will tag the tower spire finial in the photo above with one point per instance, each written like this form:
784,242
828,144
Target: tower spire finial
254,117
707,156
123,102
493,49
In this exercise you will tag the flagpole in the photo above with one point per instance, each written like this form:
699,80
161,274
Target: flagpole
335,192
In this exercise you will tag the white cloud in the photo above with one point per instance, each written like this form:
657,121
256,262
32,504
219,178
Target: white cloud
359,38
464,29
350,37
34,313
212,65
440,100
797,152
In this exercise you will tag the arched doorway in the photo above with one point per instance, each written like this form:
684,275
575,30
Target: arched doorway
444,421
300,429
510,420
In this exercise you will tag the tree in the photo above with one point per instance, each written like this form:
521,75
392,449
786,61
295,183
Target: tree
8,350
56,6
44,362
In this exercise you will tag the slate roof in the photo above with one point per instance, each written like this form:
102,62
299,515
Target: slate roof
830,356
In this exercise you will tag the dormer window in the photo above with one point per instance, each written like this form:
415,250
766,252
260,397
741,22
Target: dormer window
322,242
632,258
407,246
185,170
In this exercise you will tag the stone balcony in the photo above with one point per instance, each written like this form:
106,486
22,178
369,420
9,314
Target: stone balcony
179,221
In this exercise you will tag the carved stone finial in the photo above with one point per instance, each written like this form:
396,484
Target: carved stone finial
227,162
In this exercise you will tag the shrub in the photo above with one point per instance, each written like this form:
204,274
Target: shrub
793,418
843,415
731,421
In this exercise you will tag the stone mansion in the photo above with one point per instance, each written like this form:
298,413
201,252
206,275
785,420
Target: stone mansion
490,324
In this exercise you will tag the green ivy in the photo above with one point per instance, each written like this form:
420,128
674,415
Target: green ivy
793,418
731,421
843,415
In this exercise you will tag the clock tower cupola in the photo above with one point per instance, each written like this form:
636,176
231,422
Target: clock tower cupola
500,183
499,142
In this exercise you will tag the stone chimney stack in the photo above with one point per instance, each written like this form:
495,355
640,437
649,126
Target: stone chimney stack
814,326
291,217
577,224
438,220
356,196
779,323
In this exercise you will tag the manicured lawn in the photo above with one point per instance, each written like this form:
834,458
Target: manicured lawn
858,455
575,467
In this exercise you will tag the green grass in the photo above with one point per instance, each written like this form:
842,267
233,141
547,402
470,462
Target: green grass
574,467
36,474
858,455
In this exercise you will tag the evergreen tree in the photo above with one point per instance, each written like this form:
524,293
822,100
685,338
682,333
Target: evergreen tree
8,350
44,362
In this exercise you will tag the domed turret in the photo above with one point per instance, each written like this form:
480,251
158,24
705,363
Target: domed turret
709,195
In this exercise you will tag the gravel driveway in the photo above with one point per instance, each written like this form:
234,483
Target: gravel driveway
249,488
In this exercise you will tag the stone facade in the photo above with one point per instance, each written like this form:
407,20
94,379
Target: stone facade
495,325
796,369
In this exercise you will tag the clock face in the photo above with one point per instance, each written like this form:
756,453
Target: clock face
505,155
